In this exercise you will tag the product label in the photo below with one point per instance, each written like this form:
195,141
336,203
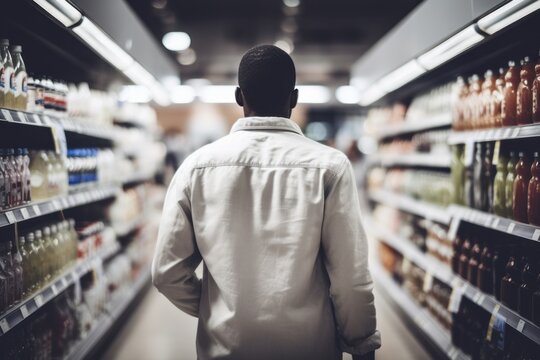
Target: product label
20,83
8,75
2,79
11,78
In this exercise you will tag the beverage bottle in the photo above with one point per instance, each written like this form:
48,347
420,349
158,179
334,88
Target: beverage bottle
478,192
488,86
510,284
7,76
40,96
4,285
487,178
509,185
536,302
27,175
533,193
42,258
524,93
21,78
526,290
508,107
14,258
485,271
19,162
476,101
40,170
25,264
4,197
521,183
34,252
55,175
464,258
9,201
18,178
499,202
458,174
32,94
536,93
56,256
48,245
74,239
498,266
7,268
474,262
496,99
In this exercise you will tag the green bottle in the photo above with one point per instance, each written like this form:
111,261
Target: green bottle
499,187
509,185
458,174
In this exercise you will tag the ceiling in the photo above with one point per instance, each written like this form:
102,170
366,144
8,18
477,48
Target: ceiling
328,35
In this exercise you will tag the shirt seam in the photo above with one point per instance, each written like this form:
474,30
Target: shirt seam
259,165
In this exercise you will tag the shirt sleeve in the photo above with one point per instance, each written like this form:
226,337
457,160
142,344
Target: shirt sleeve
176,255
345,254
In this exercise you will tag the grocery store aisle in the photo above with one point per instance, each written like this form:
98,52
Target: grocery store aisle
158,331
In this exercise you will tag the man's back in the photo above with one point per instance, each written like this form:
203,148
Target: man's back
274,217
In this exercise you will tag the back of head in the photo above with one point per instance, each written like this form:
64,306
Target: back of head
267,77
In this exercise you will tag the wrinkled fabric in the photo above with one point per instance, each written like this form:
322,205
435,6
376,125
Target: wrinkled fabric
275,219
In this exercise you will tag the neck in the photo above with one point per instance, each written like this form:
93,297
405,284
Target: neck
283,114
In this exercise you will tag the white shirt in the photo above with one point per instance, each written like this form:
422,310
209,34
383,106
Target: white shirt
275,219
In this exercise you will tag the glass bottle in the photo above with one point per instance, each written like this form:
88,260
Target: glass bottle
474,262
464,258
510,284
485,271
7,76
495,107
56,256
536,302
487,178
499,201
533,193
27,175
16,264
24,259
498,265
479,191
509,185
36,271
42,258
21,78
40,168
526,290
476,101
18,178
521,183
508,107
488,86
4,184
536,93
6,265
458,174
49,253
524,93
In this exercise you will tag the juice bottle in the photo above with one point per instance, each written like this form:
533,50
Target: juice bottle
524,93
488,87
16,264
509,185
536,93
476,101
40,169
499,201
487,178
458,174
533,193
479,191
521,183
510,284
508,107
457,111
21,78
8,76
7,269
25,263
495,107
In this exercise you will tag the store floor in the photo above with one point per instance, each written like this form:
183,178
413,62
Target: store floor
157,330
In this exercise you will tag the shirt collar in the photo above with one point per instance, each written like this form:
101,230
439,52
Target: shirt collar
266,123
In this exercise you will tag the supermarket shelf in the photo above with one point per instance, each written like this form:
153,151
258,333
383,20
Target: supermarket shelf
84,347
21,311
442,120
34,210
414,160
506,133
137,178
495,222
408,204
127,228
420,317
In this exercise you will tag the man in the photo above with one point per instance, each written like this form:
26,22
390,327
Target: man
274,217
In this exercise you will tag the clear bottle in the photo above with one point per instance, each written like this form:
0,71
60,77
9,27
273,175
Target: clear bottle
4,285
496,99
18,178
16,263
32,95
21,78
8,76
42,259
488,86
74,238
509,185
6,266
56,255
55,173
34,252
48,245
27,175
26,266
41,169
536,93
19,161
40,96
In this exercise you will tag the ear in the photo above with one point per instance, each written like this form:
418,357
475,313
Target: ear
294,99
238,96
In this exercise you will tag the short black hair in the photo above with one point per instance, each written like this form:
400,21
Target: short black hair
267,77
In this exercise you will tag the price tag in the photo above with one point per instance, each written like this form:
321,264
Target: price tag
487,221
11,217
496,153
54,289
455,298
481,299
492,322
56,205
65,203
515,133
406,266
38,299
21,116
24,311
4,325
520,325
428,282
7,115
453,229
498,134
536,234
24,213
46,120
476,297
507,133
495,223
36,209
511,227
36,119
453,353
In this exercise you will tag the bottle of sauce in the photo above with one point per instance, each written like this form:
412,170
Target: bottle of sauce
536,93
488,87
521,183
510,284
487,178
495,107
509,184
499,202
464,258
485,272
458,174
21,78
498,265
457,245
524,93
478,183
7,76
476,101
508,107
533,192
474,262
526,290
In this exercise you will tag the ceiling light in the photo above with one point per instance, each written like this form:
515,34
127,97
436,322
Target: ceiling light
182,94
291,3
347,94
102,44
285,45
289,25
313,94
218,94
372,94
61,10
447,50
507,14
140,76
187,57
176,41
135,94
401,76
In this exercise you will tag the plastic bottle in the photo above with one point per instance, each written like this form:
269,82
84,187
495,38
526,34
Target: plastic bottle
18,178
56,255
499,187
6,266
34,253
16,264
508,108
42,258
479,191
4,201
21,78
509,185
536,93
8,75
521,183
50,261
40,169
524,93
27,175
488,86
487,178
496,100
533,192
25,263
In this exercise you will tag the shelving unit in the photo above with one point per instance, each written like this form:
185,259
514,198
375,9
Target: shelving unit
438,161
407,127
506,133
